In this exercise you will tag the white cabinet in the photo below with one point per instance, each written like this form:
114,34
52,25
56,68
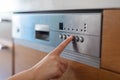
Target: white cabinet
41,5
6,47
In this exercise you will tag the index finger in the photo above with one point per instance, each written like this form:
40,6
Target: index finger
60,48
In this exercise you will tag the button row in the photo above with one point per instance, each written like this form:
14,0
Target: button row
82,30
63,36
76,38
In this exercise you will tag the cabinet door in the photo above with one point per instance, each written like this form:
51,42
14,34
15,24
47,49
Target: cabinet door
110,58
5,26
26,57
5,60
6,47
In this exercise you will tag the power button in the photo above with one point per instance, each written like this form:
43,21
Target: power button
81,39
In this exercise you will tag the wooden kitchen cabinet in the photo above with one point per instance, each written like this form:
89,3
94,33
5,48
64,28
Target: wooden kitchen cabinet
6,47
110,57
26,57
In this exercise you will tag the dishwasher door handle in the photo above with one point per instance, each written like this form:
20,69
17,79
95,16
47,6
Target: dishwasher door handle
4,20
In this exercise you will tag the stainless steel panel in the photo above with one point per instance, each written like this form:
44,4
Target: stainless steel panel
86,27
81,58
41,27
90,45
86,23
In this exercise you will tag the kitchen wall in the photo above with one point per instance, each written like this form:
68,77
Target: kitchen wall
37,5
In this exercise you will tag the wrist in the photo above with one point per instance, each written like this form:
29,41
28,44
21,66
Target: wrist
37,74
30,74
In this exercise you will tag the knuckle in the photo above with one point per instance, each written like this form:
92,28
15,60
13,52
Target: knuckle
58,74
53,57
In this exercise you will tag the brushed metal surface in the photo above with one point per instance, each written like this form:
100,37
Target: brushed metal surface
81,58
85,25
41,27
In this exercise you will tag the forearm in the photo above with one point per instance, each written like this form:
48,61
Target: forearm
25,75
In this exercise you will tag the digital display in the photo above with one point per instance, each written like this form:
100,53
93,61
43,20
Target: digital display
61,26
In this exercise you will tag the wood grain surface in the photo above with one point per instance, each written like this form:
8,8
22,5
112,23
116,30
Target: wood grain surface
26,57
110,58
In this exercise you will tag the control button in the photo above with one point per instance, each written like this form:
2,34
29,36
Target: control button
81,39
85,24
61,36
84,30
68,28
18,30
77,38
68,35
85,27
81,30
76,29
64,36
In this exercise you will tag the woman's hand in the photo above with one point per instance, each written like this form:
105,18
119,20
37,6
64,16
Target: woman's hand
50,67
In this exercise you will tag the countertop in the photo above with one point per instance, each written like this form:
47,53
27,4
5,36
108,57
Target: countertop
41,5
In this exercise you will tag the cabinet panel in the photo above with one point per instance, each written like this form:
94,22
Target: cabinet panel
108,75
5,26
27,57
111,40
6,47
6,60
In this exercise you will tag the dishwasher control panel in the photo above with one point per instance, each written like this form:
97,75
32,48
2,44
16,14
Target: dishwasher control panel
52,28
